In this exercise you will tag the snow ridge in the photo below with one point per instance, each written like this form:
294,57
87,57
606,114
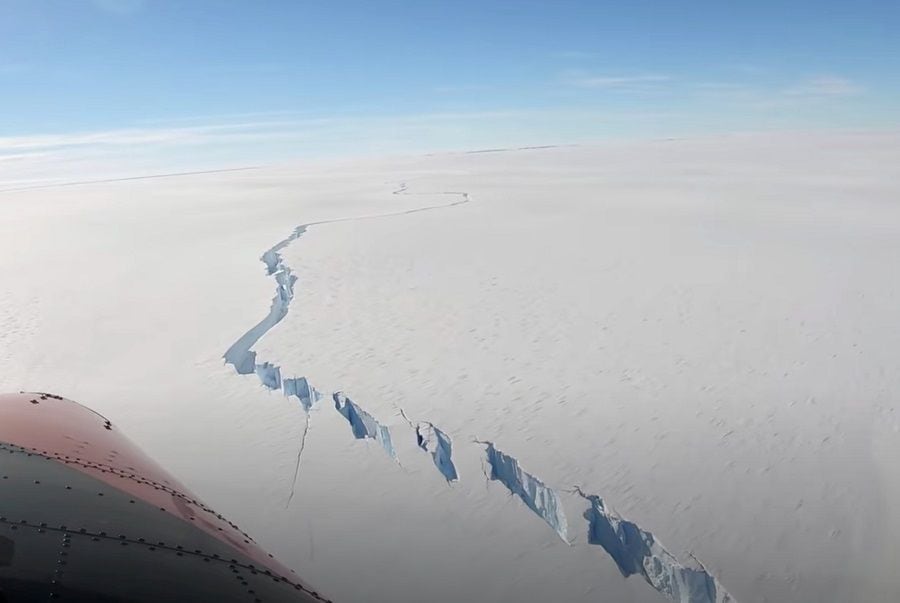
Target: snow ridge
537,496
637,551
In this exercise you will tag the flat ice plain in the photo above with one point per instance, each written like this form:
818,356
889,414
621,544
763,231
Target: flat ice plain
702,333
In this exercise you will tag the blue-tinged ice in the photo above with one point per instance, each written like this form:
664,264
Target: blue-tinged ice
303,391
544,501
269,375
433,440
637,551
240,355
244,363
363,424
272,256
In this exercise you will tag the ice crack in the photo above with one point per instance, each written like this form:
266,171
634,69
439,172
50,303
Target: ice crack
431,439
363,424
637,551
537,496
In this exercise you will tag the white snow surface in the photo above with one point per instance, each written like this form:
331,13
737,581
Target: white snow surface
700,332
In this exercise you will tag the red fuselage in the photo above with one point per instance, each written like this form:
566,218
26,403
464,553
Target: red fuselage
86,516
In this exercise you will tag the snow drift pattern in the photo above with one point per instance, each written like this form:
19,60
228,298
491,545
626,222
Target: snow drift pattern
636,551
433,440
541,499
363,424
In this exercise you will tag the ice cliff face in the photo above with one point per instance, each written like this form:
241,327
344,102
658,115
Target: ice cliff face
243,358
240,355
363,424
636,551
542,500
269,375
301,389
431,439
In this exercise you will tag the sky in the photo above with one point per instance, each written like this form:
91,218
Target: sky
169,84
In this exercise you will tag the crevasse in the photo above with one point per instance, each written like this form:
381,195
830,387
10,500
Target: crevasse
637,551
537,496
364,425
431,439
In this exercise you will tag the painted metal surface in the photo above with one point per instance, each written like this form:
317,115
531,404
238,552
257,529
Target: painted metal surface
85,515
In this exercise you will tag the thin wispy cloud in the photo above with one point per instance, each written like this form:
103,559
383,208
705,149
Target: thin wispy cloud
220,118
212,133
148,136
825,86
37,159
582,79
806,91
